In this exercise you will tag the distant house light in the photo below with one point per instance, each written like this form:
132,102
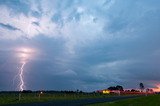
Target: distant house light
105,91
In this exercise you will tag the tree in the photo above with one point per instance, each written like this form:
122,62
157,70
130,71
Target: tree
133,90
112,88
119,87
141,86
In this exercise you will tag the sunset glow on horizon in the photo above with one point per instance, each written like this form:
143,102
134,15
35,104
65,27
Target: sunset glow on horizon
156,88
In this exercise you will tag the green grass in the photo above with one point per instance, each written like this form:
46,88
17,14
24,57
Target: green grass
13,98
152,100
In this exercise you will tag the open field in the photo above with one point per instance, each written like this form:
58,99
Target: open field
152,100
8,98
13,97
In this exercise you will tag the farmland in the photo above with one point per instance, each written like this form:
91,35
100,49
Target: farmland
151,100
63,97
17,97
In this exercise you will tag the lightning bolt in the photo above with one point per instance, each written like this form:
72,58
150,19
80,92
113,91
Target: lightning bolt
21,85
24,54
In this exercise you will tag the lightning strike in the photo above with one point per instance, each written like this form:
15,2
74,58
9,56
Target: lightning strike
24,54
21,87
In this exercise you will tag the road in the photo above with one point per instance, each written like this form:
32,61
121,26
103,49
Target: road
81,102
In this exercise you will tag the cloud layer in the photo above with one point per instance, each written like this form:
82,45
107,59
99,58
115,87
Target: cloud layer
80,44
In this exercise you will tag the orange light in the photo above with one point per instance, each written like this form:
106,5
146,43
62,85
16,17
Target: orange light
157,88
106,91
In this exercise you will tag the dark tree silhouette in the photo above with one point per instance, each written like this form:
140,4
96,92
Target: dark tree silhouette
133,90
141,86
119,87
112,88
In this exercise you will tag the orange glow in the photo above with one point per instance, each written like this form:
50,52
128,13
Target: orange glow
106,91
157,88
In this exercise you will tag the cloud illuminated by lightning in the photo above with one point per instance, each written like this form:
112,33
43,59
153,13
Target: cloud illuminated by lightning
24,54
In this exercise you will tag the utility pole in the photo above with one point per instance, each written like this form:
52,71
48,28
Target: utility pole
19,96
39,96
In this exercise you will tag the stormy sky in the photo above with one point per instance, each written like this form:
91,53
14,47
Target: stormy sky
79,44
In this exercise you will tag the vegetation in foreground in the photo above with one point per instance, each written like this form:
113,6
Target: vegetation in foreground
152,100
30,97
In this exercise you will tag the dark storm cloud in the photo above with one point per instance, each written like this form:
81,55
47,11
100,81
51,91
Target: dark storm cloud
35,23
7,26
97,44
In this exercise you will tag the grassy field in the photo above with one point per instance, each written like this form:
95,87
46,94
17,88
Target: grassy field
13,98
152,100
